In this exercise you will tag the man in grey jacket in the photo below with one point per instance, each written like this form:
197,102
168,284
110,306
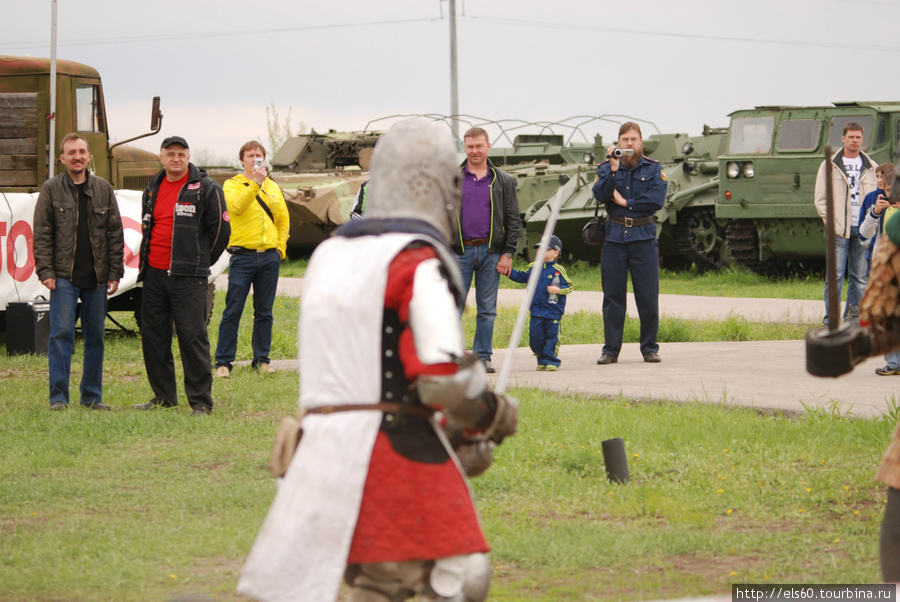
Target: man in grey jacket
78,254
852,178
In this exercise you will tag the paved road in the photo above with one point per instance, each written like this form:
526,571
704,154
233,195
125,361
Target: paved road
763,374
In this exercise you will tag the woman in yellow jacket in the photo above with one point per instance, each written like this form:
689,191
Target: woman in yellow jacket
259,233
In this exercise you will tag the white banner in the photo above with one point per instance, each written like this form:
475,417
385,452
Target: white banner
18,280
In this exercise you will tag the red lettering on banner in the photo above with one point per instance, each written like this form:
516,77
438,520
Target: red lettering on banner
131,259
2,234
23,273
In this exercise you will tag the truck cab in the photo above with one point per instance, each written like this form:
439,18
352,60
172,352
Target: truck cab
25,146
25,155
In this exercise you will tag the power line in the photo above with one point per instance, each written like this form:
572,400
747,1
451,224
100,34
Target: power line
214,34
474,19
616,30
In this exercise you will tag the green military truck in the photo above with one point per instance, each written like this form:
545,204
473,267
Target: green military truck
767,177
26,153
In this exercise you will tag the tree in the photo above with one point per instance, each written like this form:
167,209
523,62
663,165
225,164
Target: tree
280,131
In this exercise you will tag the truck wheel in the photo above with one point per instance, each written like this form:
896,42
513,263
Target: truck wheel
136,296
210,300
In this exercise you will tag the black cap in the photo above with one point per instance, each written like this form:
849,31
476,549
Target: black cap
174,140
555,244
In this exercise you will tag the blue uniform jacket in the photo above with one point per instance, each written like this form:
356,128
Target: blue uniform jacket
540,305
644,188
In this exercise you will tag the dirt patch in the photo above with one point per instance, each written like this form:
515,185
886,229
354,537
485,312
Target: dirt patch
21,375
214,466
211,578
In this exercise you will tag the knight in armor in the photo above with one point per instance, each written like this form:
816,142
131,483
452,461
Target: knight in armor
395,415
833,352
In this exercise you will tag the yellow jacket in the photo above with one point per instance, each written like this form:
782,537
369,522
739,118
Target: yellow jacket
251,228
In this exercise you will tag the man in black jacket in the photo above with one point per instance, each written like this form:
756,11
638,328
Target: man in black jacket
486,234
78,250
185,228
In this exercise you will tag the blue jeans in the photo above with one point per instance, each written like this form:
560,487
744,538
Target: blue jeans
851,263
543,338
893,360
483,264
260,270
61,345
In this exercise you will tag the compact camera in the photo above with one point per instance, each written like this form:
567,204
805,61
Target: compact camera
257,162
622,152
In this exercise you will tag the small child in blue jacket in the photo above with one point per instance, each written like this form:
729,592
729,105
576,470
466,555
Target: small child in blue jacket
548,305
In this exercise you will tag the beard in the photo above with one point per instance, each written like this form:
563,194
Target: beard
631,161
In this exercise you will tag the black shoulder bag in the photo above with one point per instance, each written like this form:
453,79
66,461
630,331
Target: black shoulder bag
593,231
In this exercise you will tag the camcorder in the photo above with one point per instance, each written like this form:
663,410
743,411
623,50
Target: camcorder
621,152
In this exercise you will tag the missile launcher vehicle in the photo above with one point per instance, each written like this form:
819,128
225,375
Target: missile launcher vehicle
767,177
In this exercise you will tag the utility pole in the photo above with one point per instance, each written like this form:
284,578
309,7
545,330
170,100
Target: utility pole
51,154
454,79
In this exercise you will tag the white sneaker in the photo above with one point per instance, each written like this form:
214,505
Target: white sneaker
223,372
266,369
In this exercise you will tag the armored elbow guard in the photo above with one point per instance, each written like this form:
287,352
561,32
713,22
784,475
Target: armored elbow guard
460,396
466,402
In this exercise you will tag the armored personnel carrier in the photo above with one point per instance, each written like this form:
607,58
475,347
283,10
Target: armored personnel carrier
536,162
767,176
319,175
688,229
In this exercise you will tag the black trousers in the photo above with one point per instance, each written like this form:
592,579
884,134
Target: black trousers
641,258
182,299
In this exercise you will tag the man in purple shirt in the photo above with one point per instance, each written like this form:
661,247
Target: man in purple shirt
486,234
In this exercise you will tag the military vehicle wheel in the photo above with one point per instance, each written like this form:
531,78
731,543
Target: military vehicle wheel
701,238
743,242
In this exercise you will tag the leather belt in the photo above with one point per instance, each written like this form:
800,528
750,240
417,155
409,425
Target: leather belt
630,222
245,250
476,242
389,407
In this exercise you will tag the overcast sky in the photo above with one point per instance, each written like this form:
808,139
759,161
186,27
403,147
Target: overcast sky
217,64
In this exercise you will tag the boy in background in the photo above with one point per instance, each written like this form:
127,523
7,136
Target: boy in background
874,213
548,305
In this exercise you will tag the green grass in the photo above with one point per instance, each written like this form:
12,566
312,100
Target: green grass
718,495
731,282
586,328
128,505
153,505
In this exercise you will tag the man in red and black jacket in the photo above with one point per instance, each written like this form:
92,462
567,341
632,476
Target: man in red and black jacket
185,227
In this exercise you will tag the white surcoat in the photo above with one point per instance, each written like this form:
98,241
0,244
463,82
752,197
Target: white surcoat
303,544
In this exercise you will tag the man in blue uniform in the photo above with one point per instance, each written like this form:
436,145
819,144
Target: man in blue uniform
633,188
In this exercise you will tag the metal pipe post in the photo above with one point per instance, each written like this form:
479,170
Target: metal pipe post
834,295
51,152
454,78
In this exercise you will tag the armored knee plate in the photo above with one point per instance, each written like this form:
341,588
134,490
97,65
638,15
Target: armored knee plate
461,578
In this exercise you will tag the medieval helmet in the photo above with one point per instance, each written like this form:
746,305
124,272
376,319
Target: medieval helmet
414,175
